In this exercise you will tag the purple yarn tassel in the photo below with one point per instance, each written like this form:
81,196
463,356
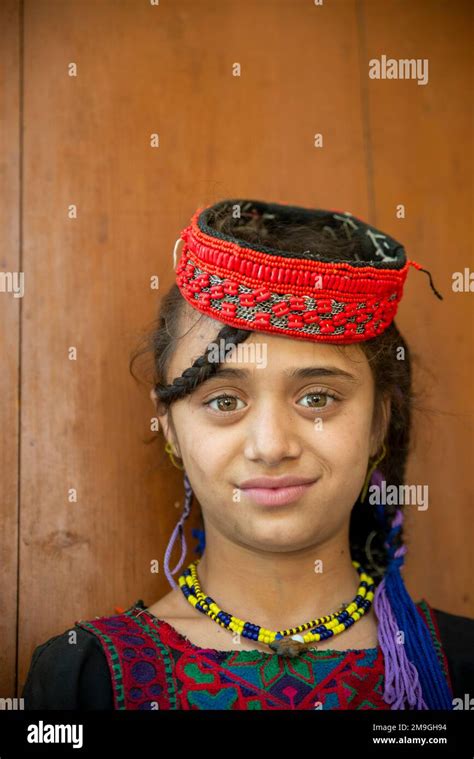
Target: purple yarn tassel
401,676
179,530
402,683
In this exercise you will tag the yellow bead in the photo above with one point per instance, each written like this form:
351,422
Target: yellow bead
299,632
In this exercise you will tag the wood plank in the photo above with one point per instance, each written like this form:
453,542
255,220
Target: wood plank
10,307
143,69
421,153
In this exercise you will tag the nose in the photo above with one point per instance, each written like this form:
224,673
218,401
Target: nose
271,436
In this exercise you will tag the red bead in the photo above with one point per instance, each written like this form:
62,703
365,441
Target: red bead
230,288
216,291
262,318
262,294
247,299
228,309
295,321
311,317
203,280
297,303
324,306
350,309
326,327
280,309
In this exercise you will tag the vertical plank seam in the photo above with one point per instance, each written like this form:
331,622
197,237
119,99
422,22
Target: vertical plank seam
20,316
365,109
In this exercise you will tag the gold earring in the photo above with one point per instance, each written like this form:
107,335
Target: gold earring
370,472
169,451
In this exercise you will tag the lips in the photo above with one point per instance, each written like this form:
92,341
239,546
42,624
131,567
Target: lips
276,491
275,482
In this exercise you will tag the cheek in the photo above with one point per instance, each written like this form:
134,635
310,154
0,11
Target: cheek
342,453
203,450
344,443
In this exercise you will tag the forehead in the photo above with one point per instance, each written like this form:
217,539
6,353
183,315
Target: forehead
196,331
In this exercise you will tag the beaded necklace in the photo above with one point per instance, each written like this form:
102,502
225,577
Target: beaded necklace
285,642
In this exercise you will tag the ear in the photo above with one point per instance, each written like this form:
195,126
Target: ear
165,423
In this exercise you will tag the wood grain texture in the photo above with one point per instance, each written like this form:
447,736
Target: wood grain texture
10,307
143,70
167,69
421,154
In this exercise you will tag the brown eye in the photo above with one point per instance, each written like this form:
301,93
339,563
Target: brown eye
224,403
320,400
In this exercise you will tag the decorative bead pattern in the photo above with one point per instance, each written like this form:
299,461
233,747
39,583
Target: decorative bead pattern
305,298
306,315
319,629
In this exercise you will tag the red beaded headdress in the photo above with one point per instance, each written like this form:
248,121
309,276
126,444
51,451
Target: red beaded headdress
310,297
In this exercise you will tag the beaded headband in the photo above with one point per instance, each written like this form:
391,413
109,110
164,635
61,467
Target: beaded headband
250,286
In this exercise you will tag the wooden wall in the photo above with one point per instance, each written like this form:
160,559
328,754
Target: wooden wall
85,141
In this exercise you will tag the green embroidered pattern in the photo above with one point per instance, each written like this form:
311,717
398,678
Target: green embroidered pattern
117,676
437,643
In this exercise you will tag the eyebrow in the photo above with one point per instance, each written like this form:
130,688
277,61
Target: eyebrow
304,372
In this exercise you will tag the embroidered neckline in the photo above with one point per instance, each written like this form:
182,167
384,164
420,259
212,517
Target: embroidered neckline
246,653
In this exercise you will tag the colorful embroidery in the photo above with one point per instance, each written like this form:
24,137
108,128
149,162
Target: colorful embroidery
152,666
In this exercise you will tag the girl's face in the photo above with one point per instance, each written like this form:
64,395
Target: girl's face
309,413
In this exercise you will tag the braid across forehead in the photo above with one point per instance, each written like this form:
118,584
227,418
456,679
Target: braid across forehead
202,368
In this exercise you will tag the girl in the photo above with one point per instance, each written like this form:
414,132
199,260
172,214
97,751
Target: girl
283,388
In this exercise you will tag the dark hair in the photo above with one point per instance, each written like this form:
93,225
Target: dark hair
387,354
